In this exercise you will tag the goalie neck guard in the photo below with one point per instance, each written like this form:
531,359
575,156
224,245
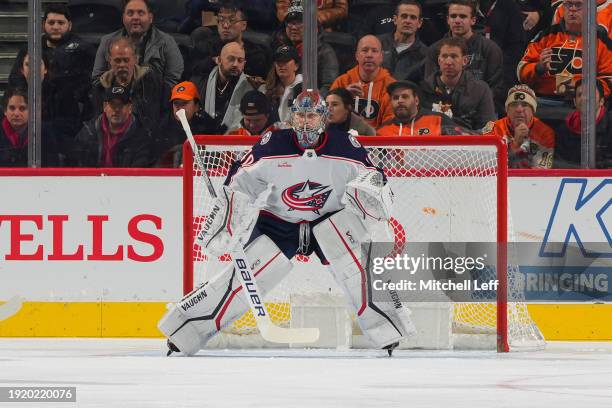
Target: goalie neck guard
308,118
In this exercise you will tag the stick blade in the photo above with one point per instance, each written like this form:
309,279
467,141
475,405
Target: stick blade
11,307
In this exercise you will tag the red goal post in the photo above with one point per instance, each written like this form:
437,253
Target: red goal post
378,144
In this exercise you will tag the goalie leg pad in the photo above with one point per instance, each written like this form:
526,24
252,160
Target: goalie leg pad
200,315
384,320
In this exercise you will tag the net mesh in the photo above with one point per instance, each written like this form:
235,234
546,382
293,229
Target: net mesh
442,194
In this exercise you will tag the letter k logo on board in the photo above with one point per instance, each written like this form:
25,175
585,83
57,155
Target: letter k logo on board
580,217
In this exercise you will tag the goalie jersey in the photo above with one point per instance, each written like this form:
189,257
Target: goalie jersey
304,185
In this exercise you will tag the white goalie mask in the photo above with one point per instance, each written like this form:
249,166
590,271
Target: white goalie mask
308,118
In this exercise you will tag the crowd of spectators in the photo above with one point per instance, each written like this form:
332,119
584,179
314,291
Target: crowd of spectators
385,67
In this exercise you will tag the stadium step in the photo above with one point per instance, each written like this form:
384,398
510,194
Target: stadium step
14,21
3,84
20,5
11,43
13,37
6,61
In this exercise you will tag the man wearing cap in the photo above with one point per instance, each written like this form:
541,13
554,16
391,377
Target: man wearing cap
116,138
292,34
329,12
284,83
530,141
408,117
170,136
257,117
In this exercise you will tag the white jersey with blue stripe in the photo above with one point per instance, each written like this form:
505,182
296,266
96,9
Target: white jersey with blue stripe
304,184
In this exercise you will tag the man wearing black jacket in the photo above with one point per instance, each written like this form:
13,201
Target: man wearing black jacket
115,138
404,54
485,58
70,60
455,92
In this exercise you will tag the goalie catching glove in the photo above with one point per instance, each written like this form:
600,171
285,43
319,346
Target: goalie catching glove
369,197
231,213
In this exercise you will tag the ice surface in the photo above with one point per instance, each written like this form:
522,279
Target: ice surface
136,373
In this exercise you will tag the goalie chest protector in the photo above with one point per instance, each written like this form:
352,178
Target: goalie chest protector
305,184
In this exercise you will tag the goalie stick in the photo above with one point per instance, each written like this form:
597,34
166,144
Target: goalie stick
10,308
269,331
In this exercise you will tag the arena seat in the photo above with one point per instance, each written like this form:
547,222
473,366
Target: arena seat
344,45
95,16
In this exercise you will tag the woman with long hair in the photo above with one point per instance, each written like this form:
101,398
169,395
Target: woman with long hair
284,81
341,116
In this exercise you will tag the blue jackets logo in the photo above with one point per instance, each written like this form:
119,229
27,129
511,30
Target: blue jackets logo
307,196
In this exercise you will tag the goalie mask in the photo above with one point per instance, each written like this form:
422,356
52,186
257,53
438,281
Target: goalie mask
308,118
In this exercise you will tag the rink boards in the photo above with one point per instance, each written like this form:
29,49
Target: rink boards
99,252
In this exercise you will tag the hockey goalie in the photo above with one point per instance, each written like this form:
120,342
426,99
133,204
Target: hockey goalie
320,194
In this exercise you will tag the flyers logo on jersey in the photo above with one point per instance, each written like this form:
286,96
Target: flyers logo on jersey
566,60
307,196
367,111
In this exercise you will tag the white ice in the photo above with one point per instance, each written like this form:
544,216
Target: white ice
136,373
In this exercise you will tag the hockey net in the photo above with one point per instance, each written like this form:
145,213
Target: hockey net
447,189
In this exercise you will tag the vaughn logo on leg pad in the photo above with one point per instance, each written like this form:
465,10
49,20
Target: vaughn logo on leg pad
192,301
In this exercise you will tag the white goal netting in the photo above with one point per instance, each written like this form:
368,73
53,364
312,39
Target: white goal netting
443,193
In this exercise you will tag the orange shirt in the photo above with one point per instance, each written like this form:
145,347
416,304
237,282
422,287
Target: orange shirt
375,106
244,132
239,132
422,125
567,60
536,152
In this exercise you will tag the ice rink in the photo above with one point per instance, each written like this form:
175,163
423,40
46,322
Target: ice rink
136,373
